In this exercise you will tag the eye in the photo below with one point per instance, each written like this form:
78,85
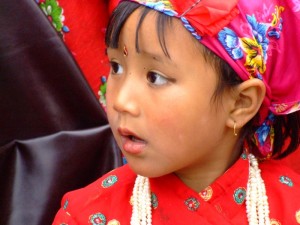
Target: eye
116,68
156,79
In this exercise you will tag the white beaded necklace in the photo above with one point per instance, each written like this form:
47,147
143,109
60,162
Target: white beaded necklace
257,206
141,198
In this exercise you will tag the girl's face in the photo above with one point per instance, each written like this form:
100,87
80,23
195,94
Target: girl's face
160,108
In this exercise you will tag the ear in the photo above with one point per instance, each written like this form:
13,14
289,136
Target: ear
249,96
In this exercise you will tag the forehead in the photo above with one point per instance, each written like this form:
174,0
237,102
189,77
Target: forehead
154,29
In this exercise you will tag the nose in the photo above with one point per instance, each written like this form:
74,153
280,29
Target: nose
125,96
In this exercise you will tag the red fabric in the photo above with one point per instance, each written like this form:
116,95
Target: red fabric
112,5
175,203
293,161
210,16
87,21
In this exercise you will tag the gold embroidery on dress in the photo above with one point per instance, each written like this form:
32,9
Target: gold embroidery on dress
206,194
113,222
275,222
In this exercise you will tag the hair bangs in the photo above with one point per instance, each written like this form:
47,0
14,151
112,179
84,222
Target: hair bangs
116,22
121,14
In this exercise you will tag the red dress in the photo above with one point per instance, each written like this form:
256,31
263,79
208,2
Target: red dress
107,201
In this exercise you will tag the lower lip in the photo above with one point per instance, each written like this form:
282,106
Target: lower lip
132,147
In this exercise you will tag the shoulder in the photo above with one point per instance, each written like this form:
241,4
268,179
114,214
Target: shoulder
115,186
276,173
283,191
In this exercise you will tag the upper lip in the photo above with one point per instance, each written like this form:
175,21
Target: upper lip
127,133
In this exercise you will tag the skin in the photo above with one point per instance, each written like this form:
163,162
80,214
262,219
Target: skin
167,103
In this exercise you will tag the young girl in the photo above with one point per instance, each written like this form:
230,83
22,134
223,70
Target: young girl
202,97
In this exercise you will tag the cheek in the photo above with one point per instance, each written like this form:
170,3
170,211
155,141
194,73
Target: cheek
181,122
109,101
168,123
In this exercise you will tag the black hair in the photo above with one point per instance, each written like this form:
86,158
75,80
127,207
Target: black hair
286,128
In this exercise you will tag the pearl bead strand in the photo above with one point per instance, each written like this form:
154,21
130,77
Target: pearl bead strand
257,206
141,210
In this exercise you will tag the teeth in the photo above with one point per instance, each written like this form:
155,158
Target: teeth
133,138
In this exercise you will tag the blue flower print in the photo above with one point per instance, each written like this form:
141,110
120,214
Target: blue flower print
187,25
161,7
230,41
259,31
276,24
264,130
274,33
263,133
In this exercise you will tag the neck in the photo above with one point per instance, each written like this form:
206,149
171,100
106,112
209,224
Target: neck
200,177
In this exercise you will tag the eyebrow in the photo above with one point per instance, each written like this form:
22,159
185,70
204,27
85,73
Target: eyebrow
157,57
161,58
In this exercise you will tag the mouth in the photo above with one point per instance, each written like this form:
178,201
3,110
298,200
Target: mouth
130,135
131,142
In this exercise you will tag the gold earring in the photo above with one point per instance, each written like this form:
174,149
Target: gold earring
234,129
125,51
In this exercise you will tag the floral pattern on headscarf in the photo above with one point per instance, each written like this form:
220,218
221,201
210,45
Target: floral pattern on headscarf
253,49
209,17
286,107
264,137
164,6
